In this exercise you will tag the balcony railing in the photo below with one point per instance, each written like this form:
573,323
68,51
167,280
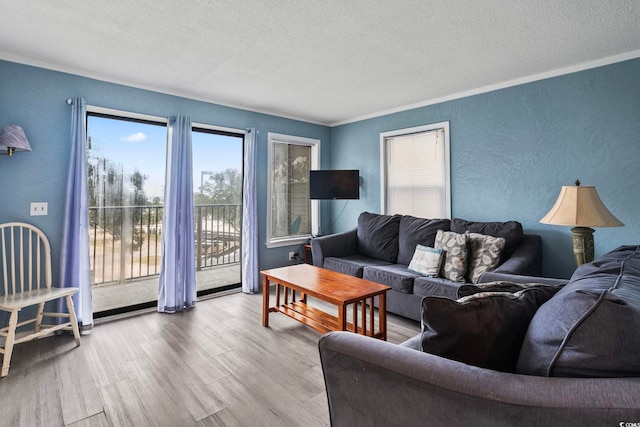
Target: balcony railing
126,241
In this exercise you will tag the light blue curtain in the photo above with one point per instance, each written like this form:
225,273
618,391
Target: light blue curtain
177,284
250,269
74,254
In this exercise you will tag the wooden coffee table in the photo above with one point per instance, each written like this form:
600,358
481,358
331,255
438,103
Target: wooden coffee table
297,282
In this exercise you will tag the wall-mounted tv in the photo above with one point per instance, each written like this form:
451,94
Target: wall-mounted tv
334,184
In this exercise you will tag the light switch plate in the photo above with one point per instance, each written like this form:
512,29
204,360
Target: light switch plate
39,208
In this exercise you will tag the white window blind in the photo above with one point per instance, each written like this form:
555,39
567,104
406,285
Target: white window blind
417,173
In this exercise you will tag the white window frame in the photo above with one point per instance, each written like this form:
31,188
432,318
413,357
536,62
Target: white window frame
444,126
277,138
125,114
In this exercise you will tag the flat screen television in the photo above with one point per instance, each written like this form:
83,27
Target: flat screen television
334,184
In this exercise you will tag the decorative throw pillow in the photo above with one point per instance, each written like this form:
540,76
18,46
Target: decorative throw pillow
454,246
485,254
498,286
485,329
426,261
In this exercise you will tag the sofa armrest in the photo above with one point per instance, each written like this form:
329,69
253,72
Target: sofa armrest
371,382
526,259
336,245
492,276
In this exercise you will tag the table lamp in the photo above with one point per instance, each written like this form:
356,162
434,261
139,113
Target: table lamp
580,207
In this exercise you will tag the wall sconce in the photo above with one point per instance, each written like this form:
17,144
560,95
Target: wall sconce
12,139
581,208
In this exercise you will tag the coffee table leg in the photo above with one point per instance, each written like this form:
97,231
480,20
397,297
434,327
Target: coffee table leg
342,317
382,315
265,301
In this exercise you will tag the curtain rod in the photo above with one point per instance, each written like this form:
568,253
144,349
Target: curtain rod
95,109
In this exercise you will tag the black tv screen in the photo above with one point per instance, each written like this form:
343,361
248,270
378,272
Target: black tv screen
334,184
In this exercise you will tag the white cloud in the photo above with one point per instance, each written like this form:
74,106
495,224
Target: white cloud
135,137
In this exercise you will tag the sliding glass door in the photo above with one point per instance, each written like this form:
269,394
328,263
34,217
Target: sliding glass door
217,182
126,175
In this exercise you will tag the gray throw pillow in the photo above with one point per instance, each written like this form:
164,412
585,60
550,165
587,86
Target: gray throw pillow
485,253
454,246
484,329
426,261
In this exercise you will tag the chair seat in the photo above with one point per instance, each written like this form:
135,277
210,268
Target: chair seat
25,299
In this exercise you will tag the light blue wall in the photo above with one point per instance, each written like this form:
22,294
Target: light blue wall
34,98
512,149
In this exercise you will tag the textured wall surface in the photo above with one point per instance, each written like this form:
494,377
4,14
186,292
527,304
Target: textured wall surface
34,98
512,150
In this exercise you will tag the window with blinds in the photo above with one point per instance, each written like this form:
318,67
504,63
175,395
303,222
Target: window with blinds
415,165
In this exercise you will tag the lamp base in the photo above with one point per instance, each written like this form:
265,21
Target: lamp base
582,244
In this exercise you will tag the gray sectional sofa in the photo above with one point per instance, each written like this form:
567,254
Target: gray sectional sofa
576,364
381,248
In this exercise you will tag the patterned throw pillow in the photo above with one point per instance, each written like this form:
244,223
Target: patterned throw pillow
426,261
485,254
454,246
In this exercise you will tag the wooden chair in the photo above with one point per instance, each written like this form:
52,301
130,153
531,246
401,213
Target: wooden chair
25,272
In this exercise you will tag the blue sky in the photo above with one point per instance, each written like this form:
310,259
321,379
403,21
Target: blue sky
143,146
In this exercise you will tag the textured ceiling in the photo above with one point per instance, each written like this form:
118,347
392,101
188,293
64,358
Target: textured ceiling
325,61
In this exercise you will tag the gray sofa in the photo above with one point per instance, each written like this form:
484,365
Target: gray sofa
382,246
578,364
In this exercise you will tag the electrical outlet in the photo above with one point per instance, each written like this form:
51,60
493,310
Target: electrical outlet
292,256
39,208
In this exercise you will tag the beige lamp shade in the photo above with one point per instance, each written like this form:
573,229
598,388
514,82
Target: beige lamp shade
580,206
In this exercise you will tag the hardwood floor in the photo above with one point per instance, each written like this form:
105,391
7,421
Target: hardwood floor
212,366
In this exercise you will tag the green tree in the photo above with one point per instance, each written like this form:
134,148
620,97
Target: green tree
222,188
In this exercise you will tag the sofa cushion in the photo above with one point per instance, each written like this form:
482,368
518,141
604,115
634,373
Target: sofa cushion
426,261
455,249
484,329
591,328
352,265
511,231
414,231
395,275
378,236
484,254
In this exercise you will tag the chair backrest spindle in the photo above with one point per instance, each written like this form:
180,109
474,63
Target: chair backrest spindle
5,280
21,254
13,261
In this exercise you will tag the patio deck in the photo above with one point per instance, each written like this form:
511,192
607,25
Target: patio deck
116,295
